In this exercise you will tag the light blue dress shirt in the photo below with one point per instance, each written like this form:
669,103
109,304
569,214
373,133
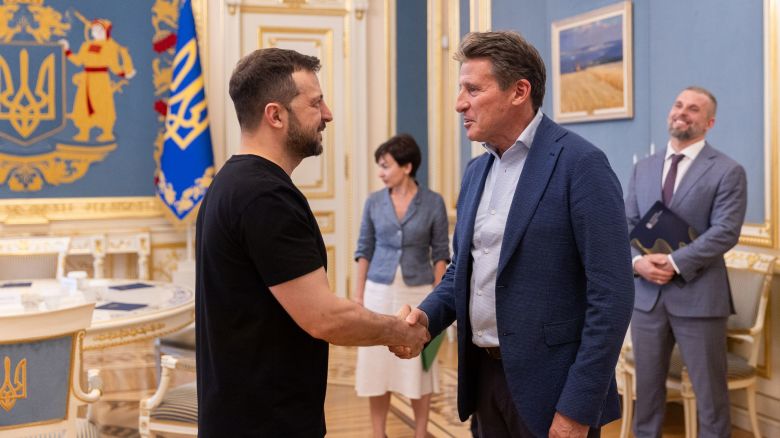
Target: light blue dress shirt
489,227
415,242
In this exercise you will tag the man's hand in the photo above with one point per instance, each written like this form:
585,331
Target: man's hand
417,316
655,268
417,333
564,427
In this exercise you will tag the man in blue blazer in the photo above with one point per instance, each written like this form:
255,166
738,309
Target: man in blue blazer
684,297
540,283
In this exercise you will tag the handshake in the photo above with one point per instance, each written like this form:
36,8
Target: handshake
413,333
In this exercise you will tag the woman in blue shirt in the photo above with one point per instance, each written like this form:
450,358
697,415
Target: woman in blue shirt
403,250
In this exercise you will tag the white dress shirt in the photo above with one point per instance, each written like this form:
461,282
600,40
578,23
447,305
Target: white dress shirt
690,153
489,227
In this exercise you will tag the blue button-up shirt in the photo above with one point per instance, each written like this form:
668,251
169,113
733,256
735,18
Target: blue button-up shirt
489,226
415,242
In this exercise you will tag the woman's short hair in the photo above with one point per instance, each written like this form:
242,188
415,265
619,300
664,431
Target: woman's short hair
403,149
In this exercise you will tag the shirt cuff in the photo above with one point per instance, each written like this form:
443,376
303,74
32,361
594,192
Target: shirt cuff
633,261
671,260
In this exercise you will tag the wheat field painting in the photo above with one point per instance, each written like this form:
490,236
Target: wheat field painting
590,74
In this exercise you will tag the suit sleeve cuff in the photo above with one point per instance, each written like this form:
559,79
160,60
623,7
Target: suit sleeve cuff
674,265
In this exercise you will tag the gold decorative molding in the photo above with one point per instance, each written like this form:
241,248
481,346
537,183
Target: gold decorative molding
290,10
131,335
772,20
331,251
233,6
131,332
45,210
326,220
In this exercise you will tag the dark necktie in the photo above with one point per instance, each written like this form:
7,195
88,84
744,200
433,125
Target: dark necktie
671,177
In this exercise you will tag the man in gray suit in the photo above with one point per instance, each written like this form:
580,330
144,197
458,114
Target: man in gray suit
684,297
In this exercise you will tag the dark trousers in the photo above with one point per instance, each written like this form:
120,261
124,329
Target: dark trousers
496,414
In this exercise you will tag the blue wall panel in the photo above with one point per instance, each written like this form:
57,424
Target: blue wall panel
412,76
129,169
720,48
465,144
717,44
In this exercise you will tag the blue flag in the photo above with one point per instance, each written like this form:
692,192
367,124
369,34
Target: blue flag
187,161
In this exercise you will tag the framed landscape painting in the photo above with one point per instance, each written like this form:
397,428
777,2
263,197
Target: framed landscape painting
591,60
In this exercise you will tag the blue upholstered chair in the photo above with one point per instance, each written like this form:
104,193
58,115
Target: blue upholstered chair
40,374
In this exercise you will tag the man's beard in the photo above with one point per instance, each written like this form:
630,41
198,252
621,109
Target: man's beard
684,134
300,143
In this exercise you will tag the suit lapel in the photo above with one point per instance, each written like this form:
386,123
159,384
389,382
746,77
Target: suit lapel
698,168
412,208
656,178
471,201
538,168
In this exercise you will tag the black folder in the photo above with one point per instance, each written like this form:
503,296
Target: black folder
661,231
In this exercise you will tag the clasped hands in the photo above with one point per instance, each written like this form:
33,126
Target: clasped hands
655,268
416,333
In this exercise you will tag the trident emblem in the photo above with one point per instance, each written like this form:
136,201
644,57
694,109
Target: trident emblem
9,392
187,116
25,108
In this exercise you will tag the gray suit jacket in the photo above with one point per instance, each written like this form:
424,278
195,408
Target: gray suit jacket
712,198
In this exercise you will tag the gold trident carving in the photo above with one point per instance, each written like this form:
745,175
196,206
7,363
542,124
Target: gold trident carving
24,108
9,393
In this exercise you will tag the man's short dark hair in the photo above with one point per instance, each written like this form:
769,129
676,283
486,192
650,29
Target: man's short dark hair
265,76
706,92
403,149
513,58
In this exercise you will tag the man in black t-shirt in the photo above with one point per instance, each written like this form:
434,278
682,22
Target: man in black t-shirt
264,310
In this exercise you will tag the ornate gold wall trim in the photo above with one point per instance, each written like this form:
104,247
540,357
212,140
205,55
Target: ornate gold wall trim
45,210
330,250
772,20
336,12
326,221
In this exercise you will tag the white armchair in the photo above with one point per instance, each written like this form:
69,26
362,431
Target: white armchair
172,410
33,257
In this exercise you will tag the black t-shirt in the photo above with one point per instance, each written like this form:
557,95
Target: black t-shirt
259,373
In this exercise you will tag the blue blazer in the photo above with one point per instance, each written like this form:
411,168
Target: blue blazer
564,285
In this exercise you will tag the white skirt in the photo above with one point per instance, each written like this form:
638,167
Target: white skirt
378,370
